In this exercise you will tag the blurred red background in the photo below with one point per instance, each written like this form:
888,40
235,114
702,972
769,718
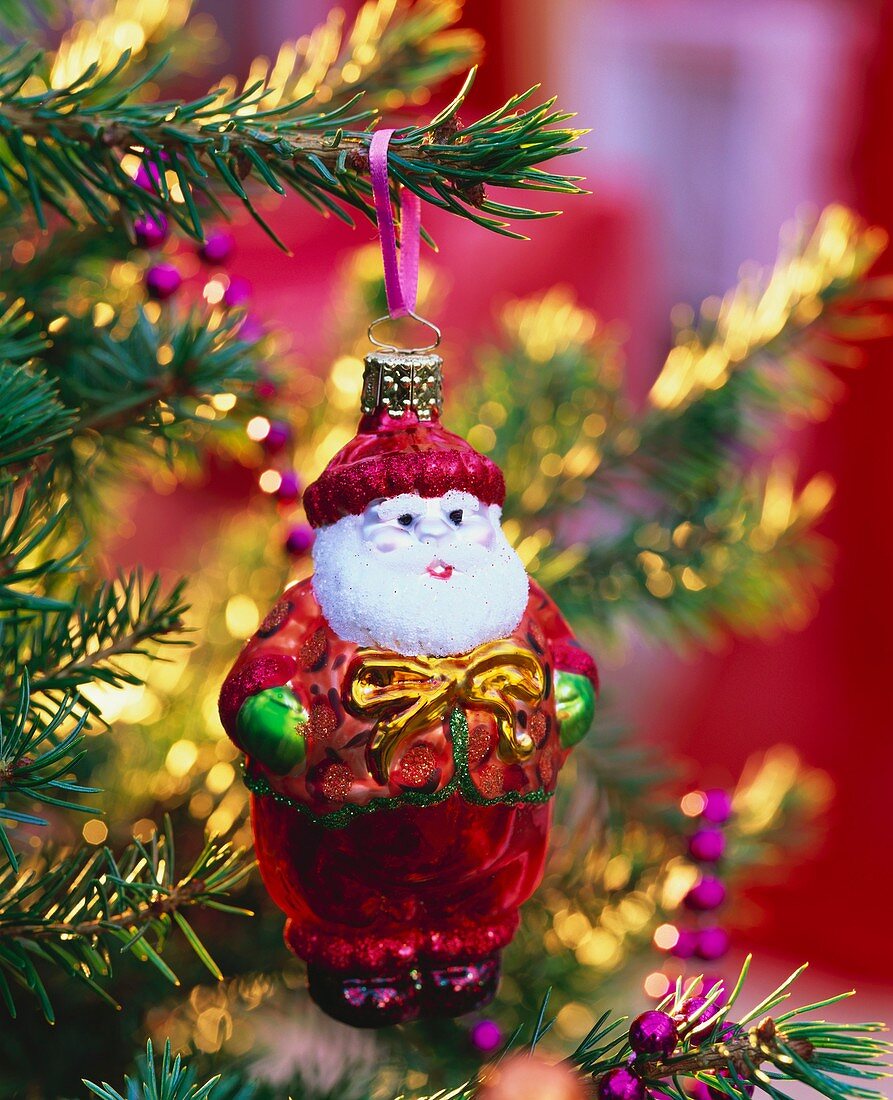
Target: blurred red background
713,120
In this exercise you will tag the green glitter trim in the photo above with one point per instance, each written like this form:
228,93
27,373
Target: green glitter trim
460,781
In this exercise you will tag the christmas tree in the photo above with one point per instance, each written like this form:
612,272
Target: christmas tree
109,729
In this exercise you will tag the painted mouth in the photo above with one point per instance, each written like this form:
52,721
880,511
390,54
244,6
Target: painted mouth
440,570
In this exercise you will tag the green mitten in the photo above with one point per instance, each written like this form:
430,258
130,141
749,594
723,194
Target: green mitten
574,706
269,729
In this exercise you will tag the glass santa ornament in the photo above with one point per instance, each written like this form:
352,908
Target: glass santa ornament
405,712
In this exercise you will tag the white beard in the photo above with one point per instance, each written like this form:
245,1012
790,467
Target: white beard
389,600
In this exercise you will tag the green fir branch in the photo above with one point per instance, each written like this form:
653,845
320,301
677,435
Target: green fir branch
77,912
32,418
832,1059
148,381
37,755
171,1080
138,382
696,530
67,649
32,524
63,149
17,343
759,1051
733,1058
689,564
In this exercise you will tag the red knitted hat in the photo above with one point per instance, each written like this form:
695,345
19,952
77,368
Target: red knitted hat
391,455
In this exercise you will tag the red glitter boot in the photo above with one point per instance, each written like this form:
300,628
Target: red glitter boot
365,1001
460,988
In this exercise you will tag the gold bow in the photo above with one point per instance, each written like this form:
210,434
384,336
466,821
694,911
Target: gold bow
405,695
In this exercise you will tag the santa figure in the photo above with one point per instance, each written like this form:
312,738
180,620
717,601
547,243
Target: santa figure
405,712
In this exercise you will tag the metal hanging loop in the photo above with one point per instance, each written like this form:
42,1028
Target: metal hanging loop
385,346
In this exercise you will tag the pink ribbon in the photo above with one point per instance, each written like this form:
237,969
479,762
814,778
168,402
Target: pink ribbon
401,274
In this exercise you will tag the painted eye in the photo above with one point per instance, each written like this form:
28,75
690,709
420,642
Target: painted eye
405,520
456,516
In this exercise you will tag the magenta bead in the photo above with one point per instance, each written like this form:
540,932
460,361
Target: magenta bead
717,806
486,1036
621,1084
265,389
237,293
276,438
686,946
707,845
697,1090
251,329
713,943
705,895
150,230
289,488
218,248
147,175
653,1033
163,280
688,1008
299,540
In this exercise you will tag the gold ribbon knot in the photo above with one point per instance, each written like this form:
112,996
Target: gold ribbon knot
403,696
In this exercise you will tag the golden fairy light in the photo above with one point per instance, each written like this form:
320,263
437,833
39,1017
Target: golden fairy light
258,428
242,616
693,803
666,936
101,39
657,984
269,480
325,63
550,324
95,831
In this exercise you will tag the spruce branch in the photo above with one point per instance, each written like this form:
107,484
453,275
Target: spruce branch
17,343
31,520
148,381
145,383
732,1059
85,643
36,759
74,912
785,323
742,554
686,542
832,1059
63,151
171,1080
32,418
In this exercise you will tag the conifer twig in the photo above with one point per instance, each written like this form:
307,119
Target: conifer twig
832,1060
63,151
73,912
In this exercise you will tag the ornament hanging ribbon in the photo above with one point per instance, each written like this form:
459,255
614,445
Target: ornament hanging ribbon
405,696
401,266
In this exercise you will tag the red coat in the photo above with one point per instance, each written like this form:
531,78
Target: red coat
342,840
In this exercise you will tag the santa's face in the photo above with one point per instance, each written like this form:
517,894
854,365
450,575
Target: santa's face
418,575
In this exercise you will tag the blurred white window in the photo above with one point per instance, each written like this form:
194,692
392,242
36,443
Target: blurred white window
726,115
